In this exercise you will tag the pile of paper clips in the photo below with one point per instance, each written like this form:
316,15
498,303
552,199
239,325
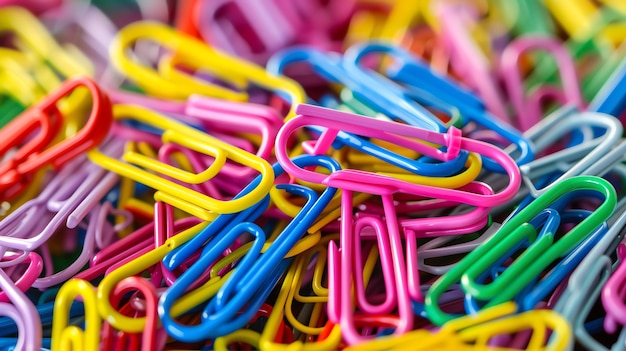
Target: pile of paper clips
312,175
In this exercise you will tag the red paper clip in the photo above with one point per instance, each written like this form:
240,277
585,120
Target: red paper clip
35,149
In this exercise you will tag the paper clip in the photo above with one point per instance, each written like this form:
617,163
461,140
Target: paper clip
129,248
351,180
268,341
33,223
585,284
187,50
252,337
172,192
427,87
91,31
66,337
22,311
466,272
40,151
38,40
612,296
389,101
467,59
336,121
151,339
552,128
250,31
472,333
528,109
152,255
137,265
441,247
247,287
298,269
227,117
533,293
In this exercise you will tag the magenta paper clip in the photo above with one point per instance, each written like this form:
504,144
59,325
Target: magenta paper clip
528,111
345,271
253,30
340,307
336,121
613,294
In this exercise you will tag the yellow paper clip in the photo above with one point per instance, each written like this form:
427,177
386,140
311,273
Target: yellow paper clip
543,323
576,16
169,82
139,167
267,339
64,337
16,80
136,267
33,37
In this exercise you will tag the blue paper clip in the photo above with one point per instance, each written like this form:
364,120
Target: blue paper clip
254,278
611,99
429,88
548,220
387,100
328,69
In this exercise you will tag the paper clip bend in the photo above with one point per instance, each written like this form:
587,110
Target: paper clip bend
428,87
517,225
191,52
528,110
137,165
588,154
336,121
248,285
40,151
72,337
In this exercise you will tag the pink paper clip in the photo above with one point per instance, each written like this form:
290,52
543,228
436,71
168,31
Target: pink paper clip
24,281
254,30
342,276
250,29
336,121
528,109
153,337
613,294
466,58
349,180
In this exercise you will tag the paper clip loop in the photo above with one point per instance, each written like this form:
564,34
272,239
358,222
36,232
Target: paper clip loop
171,192
40,151
66,337
516,226
248,285
195,54
528,110
588,154
429,88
